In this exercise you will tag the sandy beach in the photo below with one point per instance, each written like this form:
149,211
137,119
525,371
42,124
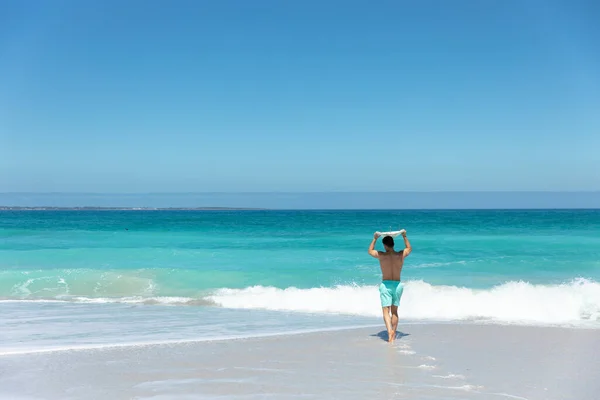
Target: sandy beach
427,361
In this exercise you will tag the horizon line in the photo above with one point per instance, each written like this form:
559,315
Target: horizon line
310,192
244,209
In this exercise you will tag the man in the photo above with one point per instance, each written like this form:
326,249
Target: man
391,287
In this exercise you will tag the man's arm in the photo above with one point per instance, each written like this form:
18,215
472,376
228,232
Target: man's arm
407,248
372,251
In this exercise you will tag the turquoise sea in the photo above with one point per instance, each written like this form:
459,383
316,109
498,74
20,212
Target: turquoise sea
540,267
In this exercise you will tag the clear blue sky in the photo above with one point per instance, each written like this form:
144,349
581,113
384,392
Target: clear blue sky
195,96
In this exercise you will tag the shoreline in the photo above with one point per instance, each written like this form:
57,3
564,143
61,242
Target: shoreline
291,334
176,342
426,361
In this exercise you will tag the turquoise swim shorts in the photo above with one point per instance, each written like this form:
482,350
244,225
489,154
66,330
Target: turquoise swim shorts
390,293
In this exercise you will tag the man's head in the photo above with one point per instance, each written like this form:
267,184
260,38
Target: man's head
388,242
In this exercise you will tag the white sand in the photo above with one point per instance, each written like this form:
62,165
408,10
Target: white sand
431,361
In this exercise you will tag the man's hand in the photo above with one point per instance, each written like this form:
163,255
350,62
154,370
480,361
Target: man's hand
403,232
376,235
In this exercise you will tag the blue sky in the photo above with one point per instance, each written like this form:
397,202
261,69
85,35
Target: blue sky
234,96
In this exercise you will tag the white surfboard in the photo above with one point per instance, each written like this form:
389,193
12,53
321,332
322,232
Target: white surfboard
391,233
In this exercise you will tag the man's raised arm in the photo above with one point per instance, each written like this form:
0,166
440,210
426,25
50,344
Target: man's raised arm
372,251
407,249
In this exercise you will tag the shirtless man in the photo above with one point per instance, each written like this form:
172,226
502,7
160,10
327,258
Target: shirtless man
391,287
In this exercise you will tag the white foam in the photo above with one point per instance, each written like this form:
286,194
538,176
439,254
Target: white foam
573,303
449,376
103,346
165,300
133,300
467,388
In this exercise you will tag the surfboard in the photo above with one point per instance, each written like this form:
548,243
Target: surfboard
391,233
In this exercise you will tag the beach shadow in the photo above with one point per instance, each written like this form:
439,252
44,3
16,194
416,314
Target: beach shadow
383,335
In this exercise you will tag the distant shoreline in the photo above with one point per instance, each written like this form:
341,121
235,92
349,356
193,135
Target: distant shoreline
94,208
91,208
300,201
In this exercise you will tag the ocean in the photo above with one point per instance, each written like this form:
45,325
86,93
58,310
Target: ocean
87,279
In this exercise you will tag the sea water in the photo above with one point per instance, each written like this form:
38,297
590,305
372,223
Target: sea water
93,278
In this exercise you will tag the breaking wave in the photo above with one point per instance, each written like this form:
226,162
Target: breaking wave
573,303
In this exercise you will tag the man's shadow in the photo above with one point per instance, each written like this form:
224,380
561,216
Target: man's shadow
383,335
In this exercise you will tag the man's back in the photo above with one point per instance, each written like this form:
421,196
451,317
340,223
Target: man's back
390,260
391,264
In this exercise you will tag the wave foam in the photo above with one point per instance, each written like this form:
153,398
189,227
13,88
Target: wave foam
574,303
159,342
156,300
449,376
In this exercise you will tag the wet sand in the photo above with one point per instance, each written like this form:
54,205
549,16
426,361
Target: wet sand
427,361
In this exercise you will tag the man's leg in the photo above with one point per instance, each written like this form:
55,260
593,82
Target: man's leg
386,301
388,323
394,319
397,295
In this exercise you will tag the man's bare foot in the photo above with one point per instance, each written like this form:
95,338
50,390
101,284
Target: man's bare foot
391,337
